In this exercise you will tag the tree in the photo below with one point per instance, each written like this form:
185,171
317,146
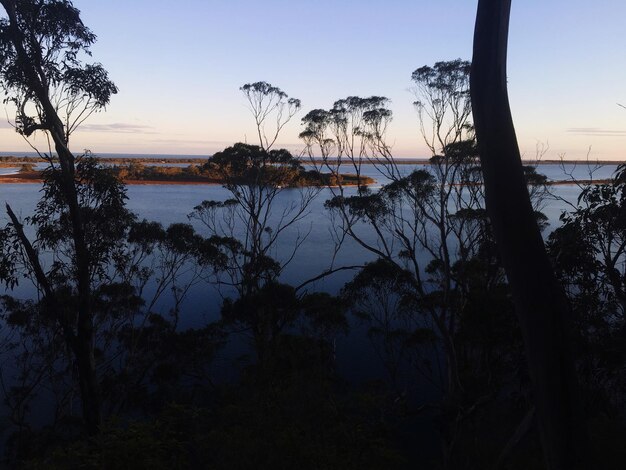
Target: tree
442,102
351,133
590,247
255,178
104,222
269,103
428,227
406,212
251,225
542,307
41,45
588,252
396,224
378,297
140,353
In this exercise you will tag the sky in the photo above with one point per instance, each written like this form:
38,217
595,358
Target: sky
179,66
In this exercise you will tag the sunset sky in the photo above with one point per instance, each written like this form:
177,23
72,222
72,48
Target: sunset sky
179,66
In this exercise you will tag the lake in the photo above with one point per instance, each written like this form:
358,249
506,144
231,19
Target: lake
172,203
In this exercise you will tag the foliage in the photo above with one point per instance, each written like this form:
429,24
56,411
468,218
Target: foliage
250,165
27,168
101,198
269,103
274,425
42,43
49,36
249,228
590,247
435,301
126,255
138,171
443,102
589,255
350,133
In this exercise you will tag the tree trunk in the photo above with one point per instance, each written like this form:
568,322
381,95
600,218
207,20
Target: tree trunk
88,381
543,310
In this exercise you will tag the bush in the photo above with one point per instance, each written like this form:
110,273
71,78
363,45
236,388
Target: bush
27,168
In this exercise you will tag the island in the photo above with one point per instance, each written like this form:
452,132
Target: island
155,170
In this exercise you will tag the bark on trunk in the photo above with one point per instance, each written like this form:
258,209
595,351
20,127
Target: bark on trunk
543,310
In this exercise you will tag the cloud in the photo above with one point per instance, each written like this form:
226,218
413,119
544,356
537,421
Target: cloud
118,127
217,143
192,142
595,132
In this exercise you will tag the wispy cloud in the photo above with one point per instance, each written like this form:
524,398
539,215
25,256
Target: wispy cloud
596,132
192,142
119,127
217,143
116,127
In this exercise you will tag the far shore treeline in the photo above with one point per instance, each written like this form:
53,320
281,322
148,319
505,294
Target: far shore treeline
200,170
166,169
7,161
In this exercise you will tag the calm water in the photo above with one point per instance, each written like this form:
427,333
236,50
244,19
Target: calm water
172,203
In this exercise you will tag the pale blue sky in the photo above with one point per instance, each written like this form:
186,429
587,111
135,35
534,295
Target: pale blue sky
179,67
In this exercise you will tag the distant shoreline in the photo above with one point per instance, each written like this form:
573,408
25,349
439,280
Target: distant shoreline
31,175
14,161
35,177
409,161
10,162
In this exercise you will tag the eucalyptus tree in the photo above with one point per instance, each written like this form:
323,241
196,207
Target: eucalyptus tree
133,265
90,259
437,268
588,253
423,221
252,218
442,102
271,109
590,247
267,200
53,91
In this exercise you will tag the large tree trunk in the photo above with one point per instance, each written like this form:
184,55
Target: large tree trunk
543,310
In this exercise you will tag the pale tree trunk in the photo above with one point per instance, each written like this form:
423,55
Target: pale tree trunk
542,307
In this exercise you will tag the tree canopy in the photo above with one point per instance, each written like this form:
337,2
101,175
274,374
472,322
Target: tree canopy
42,47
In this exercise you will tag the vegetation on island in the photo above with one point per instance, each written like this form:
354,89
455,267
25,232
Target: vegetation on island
200,170
96,375
247,163
280,167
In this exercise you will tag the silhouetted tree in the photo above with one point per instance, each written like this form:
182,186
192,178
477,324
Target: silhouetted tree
542,307
251,224
589,255
428,227
271,108
139,352
41,42
406,213
442,103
